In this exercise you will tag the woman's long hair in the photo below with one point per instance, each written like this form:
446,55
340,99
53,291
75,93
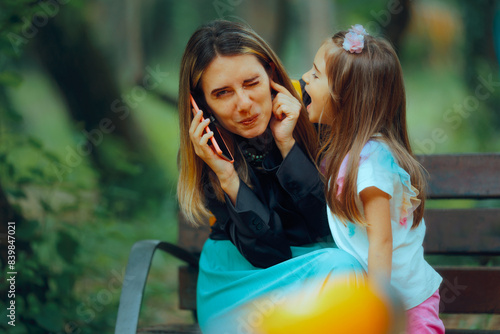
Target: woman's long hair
222,38
367,97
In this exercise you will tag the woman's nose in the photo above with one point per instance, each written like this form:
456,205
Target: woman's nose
244,101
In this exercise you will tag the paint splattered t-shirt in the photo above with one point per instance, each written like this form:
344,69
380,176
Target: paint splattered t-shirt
412,277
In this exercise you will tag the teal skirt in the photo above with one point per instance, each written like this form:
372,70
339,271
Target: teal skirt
228,285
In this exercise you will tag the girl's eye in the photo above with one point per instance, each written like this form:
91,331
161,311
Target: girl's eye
314,75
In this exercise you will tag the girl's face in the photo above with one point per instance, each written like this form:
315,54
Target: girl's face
317,87
237,89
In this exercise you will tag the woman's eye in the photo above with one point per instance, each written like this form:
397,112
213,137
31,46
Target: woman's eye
253,83
314,75
221,93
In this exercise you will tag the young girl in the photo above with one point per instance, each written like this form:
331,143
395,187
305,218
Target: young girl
375,190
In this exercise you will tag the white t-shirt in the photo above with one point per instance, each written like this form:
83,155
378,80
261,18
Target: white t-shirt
412,277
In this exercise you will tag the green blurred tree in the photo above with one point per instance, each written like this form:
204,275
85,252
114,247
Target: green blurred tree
481,65
47,258
94,99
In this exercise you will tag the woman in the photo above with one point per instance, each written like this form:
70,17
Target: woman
269,204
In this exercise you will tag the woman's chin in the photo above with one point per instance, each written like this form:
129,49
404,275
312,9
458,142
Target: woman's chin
253,132
251,135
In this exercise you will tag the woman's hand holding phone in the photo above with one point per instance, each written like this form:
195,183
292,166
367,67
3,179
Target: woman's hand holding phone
223,168
286,111
216,141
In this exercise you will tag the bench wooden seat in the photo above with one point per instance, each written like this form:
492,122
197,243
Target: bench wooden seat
473,231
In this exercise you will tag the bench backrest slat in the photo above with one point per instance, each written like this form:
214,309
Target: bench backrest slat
462,176
462,231
472,290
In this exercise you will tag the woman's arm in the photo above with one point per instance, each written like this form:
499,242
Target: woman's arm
301,179
378,216
230,184
256,228
252,227
286,110
298,175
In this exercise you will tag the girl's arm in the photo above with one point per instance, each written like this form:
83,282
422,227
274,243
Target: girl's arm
378,216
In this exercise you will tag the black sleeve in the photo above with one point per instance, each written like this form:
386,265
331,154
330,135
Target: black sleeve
301,179
252,228
256,229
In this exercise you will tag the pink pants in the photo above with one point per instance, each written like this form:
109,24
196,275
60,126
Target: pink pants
424,318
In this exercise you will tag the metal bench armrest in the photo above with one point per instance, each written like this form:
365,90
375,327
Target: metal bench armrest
136,275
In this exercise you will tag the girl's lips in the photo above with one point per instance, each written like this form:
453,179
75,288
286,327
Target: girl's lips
250,120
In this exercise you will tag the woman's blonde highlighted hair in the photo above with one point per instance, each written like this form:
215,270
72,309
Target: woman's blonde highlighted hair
367,97
222,38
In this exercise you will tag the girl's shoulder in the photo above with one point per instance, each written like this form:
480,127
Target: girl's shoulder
378,163
377,160
376,150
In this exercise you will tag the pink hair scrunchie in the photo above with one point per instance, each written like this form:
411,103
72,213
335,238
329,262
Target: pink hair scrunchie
354,40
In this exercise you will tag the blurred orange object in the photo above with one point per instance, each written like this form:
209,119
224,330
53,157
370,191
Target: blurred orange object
341,307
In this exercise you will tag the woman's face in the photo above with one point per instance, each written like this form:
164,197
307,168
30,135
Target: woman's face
237,89
317,87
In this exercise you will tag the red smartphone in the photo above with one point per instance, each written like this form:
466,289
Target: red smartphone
216,142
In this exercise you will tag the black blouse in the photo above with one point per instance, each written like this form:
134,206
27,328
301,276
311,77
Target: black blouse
285,207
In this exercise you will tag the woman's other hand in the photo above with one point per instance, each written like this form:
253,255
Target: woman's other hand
286,110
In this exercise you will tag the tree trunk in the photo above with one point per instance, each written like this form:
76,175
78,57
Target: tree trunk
397,24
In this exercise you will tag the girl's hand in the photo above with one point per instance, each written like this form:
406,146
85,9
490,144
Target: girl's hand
224,169
286,111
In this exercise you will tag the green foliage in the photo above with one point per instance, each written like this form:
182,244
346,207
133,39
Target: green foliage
48,255
20,21
70,247
15,17
68,278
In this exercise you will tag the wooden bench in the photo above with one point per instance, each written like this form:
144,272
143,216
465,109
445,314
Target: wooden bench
473,231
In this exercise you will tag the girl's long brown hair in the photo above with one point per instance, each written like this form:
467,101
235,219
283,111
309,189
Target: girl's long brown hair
222,38
367,96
